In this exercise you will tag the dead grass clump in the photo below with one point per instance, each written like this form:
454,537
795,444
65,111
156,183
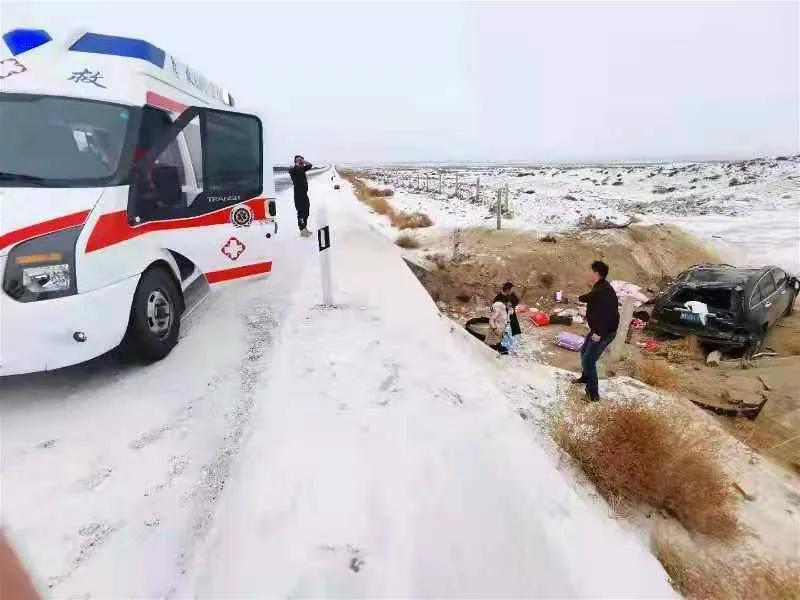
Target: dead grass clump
407,241
416,220
546,279
380,193
697,577
654,372
380,205
638,454
550,238
638,234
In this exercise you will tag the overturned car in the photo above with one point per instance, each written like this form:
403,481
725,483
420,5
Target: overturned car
725,305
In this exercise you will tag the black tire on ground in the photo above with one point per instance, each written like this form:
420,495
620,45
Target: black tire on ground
155,319
790,308
473,327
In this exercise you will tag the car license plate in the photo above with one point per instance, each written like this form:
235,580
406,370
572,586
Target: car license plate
690,317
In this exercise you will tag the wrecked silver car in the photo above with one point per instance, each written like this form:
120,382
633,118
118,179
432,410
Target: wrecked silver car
725,305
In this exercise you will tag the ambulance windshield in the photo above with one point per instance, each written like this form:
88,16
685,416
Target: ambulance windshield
63,142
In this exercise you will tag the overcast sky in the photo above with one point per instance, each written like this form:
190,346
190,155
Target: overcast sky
541,81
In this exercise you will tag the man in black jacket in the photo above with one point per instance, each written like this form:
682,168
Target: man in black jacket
301,202
509,298
602,315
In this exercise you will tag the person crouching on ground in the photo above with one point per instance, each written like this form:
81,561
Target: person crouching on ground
498,319
509,297
602,315
301,201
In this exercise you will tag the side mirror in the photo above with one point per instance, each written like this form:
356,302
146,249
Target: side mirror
272,208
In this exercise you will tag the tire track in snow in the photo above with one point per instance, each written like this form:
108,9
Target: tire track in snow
261,326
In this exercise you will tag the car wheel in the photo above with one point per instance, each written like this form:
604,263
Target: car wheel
155,320
790,308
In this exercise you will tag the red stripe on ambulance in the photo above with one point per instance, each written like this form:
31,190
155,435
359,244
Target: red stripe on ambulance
43,228
239,272
166,103
113,228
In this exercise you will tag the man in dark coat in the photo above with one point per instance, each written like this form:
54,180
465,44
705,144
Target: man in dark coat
602,315
508,297
301,201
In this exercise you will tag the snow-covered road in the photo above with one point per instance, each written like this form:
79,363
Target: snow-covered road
285,449
111,473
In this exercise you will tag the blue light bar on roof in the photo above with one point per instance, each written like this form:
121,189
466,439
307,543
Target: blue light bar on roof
98,43
22,40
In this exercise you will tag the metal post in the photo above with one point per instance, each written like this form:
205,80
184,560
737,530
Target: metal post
499,210
426,182
506,197
324,239
478,190
615,352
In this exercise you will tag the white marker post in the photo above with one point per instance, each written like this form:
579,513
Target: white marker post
324,242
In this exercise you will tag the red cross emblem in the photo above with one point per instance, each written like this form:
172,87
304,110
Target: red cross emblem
233,248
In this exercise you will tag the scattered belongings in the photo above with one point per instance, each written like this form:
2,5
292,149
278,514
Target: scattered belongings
336,186
642,315
625,289
560,298
638,324
539,319
649,344
569,340
713,359
556,319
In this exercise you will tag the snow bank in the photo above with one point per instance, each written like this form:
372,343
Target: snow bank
385,461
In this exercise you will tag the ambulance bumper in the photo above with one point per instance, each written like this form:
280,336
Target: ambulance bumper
41,336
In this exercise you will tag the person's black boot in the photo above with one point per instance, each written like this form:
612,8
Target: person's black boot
579,380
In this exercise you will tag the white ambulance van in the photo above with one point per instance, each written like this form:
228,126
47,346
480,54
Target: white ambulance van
129,185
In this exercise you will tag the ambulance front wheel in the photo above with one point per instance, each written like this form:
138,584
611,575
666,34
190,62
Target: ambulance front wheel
155,320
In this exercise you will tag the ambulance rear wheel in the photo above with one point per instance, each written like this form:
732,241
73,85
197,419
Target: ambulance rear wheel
155,320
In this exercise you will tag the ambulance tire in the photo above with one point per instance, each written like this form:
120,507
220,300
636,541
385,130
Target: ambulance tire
145,339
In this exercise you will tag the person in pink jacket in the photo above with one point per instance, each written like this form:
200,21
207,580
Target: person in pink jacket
498,319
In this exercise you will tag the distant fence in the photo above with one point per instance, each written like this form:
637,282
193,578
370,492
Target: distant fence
444,185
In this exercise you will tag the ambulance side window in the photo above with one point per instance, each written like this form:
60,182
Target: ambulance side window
160,189
233,160
195,145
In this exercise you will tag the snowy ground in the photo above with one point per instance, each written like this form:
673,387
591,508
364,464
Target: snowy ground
285,449
749,207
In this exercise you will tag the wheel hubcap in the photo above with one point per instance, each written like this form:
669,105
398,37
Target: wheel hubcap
159,313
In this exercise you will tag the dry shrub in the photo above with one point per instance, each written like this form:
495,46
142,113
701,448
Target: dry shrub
638,234
641,455
546,279
697,577
407,241
380,205
654,372
550,238
382,193
403,220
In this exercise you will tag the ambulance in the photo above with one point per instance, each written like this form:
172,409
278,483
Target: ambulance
130,185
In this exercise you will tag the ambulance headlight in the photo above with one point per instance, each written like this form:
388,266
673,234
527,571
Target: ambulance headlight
42,268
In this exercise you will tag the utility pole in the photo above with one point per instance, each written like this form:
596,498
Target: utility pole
456,192
478,190
499,209
615,352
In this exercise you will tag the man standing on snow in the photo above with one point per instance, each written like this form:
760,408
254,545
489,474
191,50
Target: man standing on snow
301,201
602,315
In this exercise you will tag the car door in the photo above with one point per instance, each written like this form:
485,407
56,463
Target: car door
784,293
766,286
199,191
